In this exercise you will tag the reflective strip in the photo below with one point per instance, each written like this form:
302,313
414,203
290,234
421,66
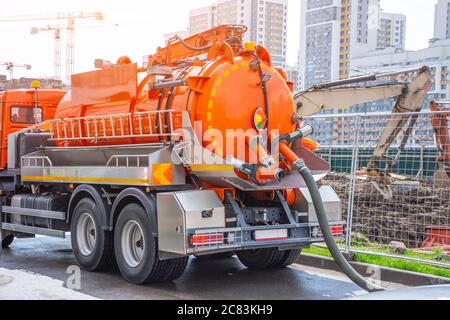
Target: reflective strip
87,180
211,168
162,174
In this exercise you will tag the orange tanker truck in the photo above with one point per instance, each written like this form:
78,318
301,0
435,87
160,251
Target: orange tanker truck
200,153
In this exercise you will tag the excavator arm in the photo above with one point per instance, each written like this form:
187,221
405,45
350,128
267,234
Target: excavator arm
340,95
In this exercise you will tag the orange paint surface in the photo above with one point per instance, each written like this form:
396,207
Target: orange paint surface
17,112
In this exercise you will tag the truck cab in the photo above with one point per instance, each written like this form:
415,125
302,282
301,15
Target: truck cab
20,109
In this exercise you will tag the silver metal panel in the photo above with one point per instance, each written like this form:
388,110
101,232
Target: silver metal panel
195,202
33,230
93,156
12,143
223,175
91,175
35,213
12,152
179,212
171,231
332,203
119,166
231,180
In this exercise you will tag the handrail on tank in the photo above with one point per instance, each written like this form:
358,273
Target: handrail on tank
66,129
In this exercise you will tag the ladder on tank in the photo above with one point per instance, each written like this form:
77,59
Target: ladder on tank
160,124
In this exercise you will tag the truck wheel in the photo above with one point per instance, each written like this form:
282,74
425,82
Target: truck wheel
289,257
92,246
136,248
7,241
260,259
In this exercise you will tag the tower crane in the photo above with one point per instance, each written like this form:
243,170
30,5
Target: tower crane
57,29
71,18
57,48
10,68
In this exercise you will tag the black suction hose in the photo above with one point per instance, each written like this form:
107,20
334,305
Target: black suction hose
328,235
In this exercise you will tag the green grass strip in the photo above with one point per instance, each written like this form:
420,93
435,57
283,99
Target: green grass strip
387,262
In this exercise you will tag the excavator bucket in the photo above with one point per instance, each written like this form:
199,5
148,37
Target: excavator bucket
442,175
439,121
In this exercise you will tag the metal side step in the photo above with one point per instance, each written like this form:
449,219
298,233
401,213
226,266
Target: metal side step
55,215
33,230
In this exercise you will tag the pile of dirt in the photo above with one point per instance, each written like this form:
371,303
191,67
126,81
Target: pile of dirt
403,217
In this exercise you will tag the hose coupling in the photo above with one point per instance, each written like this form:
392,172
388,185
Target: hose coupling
298,164
268,162
298,134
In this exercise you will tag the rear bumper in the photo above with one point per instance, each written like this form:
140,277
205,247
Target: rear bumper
208,241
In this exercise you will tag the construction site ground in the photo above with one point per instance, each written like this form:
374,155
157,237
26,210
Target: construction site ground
404,217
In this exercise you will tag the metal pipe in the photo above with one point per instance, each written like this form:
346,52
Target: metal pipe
168,84
366,78
344,82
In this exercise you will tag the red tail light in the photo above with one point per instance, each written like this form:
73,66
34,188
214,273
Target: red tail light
337,230
207,239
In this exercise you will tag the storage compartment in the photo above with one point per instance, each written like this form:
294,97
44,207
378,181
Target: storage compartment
305,207
179,213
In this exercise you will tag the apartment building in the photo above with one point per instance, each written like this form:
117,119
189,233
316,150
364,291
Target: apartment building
266,21
331,32
442,20
436,57
391,31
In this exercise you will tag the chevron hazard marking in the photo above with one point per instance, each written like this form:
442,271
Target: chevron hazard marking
162,174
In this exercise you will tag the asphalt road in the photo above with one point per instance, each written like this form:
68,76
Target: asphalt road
38,269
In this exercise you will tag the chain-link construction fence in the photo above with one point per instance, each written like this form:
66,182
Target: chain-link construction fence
396,200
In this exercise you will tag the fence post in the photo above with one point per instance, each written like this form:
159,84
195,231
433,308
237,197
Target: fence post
352,184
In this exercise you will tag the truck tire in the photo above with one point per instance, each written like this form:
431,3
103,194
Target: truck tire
260,259
177,268
136,249
7,241
288,258
92,246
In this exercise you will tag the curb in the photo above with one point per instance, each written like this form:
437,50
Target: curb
407,278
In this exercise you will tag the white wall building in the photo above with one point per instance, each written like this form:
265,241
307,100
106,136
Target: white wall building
293,75
266,21
436,56
392,31
442,20
331,33
201,19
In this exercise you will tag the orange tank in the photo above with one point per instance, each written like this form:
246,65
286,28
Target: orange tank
225,91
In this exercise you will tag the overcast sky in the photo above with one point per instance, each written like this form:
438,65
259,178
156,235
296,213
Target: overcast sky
18,45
